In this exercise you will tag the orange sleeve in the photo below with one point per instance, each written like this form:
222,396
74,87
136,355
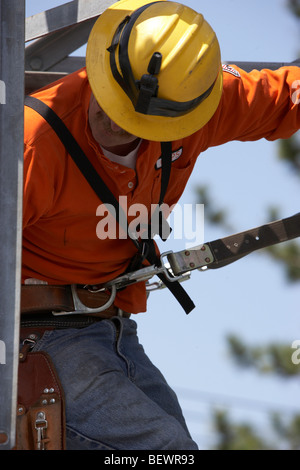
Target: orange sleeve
255,105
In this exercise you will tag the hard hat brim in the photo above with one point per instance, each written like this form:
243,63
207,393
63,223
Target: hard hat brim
114,101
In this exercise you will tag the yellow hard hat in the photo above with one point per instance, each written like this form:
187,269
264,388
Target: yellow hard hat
155,68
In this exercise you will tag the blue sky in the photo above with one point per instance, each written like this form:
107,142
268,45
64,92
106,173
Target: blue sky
250,298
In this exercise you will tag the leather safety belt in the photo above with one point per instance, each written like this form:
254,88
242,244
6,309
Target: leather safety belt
146,248
212,255
221,252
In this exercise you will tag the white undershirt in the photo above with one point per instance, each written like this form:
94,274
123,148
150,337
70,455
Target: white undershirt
128,160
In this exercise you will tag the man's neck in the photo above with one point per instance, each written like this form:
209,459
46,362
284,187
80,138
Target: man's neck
123,149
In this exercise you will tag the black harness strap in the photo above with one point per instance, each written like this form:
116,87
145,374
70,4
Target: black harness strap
77,154
146,248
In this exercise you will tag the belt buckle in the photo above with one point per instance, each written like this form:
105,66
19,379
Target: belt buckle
80,308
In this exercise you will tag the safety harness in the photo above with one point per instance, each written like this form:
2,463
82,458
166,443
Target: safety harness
146,247
211,255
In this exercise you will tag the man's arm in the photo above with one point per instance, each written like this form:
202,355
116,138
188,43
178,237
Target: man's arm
255,105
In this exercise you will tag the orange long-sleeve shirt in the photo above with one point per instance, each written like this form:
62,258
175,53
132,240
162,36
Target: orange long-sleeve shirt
60,242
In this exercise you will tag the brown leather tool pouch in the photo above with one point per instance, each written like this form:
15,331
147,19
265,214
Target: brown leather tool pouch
40,409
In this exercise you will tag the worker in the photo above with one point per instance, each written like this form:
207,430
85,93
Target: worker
153,91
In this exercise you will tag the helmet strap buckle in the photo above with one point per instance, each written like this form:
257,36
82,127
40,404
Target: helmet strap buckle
148,87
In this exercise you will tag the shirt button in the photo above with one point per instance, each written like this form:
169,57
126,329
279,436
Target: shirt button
130,185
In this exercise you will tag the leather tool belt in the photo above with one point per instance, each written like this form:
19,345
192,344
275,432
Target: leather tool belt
62,301
41,407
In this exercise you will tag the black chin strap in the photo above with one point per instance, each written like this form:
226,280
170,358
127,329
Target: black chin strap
146,248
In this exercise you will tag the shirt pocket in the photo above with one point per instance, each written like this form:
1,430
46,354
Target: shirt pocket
179,177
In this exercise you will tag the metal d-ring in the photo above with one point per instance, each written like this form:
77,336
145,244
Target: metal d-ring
80,308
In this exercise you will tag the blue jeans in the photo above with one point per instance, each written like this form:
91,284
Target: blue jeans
116,399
